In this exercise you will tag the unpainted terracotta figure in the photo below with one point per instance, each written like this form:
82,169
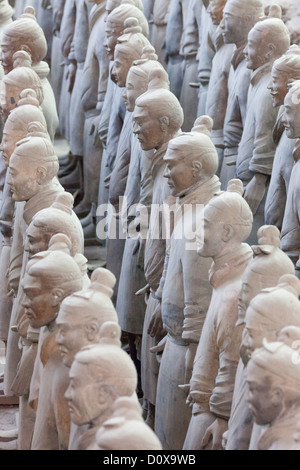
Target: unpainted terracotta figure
32,178
15,129
21,77
178,12
50,277
43,13
66,35
291,222
191,49
56,69
95,78
49,238
284,70
73,333
190,44
158,118
25,34
239,17
290,15
191,163
115,24
59,343
227,222
205,55
138,193
217,93
265,319
98,376
126,429
57,218
81,86
257,148
273,396
6,13
128,48
38,188
268,265
96,91
114,110
160,18
76,59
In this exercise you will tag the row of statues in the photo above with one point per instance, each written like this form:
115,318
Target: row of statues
181,119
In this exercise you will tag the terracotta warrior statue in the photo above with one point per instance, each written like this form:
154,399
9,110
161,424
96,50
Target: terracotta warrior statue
159,20
217,93
239,17
273,395
257,148
68,335
263,320
178,11
115,26
38,188
184,298
15,129
205,54
189,46
158,118
6,14
94,83
261,324
291,222
284,70
57,218
137,198
268,265
79,32
67,28
94,90
114,110
25,34
126,429
21,77
79,323
32,178
128,48
98,376
56,70
227,223
50,277
43,230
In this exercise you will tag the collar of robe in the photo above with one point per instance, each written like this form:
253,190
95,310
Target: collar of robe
259,73
231,265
